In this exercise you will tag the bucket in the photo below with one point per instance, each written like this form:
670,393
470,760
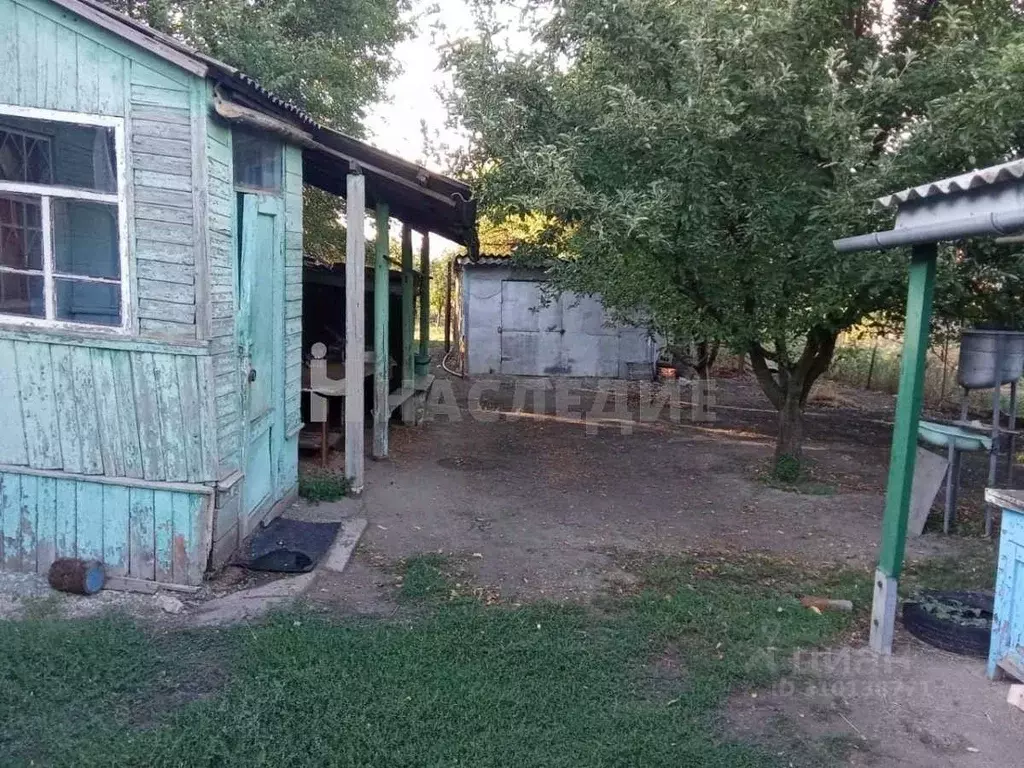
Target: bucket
421,365
979,351
666,372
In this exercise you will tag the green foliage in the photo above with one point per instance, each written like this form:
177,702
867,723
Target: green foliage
439,284
333,58
317,486
787,468
641,683
696,160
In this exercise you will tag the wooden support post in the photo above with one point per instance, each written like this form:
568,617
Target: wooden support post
425,296
381,411
448,307
355,328
408,323
904,446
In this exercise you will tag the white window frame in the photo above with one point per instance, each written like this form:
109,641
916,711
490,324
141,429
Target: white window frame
46,192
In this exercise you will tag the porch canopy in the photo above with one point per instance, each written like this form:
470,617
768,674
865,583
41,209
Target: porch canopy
986,203
367,178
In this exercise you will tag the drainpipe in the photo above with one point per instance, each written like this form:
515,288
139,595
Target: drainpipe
988,224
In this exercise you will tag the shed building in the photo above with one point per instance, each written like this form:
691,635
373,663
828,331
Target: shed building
505,323
151,291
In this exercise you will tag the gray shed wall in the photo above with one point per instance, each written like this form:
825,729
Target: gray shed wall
508,328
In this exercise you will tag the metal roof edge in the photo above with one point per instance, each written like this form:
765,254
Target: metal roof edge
1012,170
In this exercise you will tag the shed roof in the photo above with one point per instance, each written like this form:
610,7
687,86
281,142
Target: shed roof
979,177
426,201
988,202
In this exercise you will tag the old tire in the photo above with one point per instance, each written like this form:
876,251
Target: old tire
945,632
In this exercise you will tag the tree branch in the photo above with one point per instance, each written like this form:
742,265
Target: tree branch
764,376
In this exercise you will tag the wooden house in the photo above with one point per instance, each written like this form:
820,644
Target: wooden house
151,290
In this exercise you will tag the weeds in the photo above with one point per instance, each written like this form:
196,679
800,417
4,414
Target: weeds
323,486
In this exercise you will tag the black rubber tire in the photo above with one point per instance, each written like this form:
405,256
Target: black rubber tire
946,634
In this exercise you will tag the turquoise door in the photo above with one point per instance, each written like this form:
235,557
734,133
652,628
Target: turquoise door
261,325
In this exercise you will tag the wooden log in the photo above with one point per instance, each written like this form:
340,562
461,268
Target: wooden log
381,411
425,297
826,604
408,321
355,329
80,577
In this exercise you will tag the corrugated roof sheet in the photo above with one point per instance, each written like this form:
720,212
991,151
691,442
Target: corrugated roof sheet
1010,171
486,261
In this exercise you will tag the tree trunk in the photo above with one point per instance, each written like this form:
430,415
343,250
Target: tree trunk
707,353
788,388
790,439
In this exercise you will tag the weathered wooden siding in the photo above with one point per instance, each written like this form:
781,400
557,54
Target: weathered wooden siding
114,412
223,295
52,59
145,533
293,290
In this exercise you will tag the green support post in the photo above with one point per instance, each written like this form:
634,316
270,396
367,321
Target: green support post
381,411
408,324
425,300
904,446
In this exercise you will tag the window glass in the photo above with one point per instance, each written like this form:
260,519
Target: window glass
88,302
85,239
21,232
63,154
63,174
22,295
257,161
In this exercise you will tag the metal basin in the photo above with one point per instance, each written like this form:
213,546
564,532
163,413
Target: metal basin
979,351
943,435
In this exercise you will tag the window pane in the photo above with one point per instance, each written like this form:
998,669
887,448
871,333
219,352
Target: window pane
82,302
257,161
66,154
21,233
22,295
85,239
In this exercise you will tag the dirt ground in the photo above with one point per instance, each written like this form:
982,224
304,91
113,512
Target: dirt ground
540,508
534,505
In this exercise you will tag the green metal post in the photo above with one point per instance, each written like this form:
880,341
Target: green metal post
381,411
408,324
904,445
425,299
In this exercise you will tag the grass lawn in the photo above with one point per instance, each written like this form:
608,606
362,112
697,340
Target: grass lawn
636,680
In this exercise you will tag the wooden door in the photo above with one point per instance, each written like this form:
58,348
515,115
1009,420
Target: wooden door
261,324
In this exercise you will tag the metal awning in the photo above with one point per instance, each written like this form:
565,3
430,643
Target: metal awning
426,201
988,202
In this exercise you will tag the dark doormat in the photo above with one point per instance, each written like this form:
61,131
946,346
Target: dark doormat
288,546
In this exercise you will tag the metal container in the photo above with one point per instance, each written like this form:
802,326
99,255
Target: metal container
979,352
640,371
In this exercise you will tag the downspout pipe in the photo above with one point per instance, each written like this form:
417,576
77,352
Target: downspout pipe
989,224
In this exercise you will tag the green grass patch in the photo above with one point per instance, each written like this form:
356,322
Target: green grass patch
459,684
973,569
317,486
794,477
425,578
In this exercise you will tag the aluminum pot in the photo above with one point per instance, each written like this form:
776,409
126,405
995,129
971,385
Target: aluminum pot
979,351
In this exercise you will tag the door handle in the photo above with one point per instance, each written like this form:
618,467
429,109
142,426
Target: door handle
252,375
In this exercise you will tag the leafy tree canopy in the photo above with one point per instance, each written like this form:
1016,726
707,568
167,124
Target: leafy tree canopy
333,58
330,57
698,158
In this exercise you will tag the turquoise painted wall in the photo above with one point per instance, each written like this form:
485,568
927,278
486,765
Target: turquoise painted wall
143,533
164,405
232,405
55,60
